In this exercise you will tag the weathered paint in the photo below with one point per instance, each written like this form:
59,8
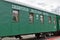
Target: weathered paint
8,27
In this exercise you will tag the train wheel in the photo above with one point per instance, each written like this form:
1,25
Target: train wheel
50,34
44,35
37,35
18,36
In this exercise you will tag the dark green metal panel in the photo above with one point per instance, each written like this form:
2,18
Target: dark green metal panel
58,22
50,26
23,26
5,23
43,27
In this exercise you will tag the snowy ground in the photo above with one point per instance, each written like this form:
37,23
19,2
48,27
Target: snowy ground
24,37
31,37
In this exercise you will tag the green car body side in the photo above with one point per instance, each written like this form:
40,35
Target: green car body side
10,27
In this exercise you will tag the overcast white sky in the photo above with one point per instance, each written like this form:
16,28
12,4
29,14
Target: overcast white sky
47,5
44,4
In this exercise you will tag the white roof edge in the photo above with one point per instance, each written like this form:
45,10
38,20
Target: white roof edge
28,5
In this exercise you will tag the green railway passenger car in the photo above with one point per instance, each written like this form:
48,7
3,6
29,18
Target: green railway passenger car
18,18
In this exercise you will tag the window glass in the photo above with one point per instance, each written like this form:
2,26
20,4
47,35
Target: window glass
55,20
42,18
15,15
31,17
49,18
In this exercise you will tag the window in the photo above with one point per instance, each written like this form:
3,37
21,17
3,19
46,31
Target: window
31,17
42,18
55,20
49,18
59,21
15,15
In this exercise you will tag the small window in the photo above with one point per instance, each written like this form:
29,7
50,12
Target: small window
31,17
55,20
49,18
15,15
59,21
42,18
